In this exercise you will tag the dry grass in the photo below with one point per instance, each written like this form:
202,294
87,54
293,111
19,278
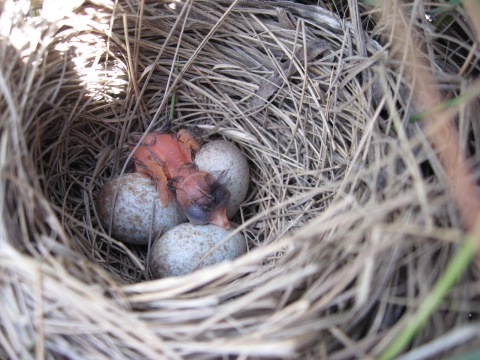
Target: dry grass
349,219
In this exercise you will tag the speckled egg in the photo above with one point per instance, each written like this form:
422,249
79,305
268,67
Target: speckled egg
178,251
229,165
133,209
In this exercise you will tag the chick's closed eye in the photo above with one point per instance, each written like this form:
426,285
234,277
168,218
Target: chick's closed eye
197,214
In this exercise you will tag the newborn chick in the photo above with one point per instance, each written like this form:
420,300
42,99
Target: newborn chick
167,159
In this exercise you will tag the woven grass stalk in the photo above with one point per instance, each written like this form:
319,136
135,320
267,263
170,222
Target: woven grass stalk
348,220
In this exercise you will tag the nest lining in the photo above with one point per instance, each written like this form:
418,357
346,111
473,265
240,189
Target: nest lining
347,220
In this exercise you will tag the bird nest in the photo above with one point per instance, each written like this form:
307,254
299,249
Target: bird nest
348,218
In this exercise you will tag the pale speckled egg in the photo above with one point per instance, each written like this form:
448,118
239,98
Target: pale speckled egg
178,251
229,165
133,209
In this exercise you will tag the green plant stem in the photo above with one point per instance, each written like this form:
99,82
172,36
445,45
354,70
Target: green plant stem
455,269
464,98
172,104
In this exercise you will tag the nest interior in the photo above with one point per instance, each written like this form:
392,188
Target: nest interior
348,217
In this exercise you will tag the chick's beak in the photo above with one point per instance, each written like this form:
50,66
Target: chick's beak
219,218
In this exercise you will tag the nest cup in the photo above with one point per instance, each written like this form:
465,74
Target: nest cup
348,219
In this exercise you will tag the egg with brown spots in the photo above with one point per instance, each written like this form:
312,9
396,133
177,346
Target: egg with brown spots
132,209
179,250
229,165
